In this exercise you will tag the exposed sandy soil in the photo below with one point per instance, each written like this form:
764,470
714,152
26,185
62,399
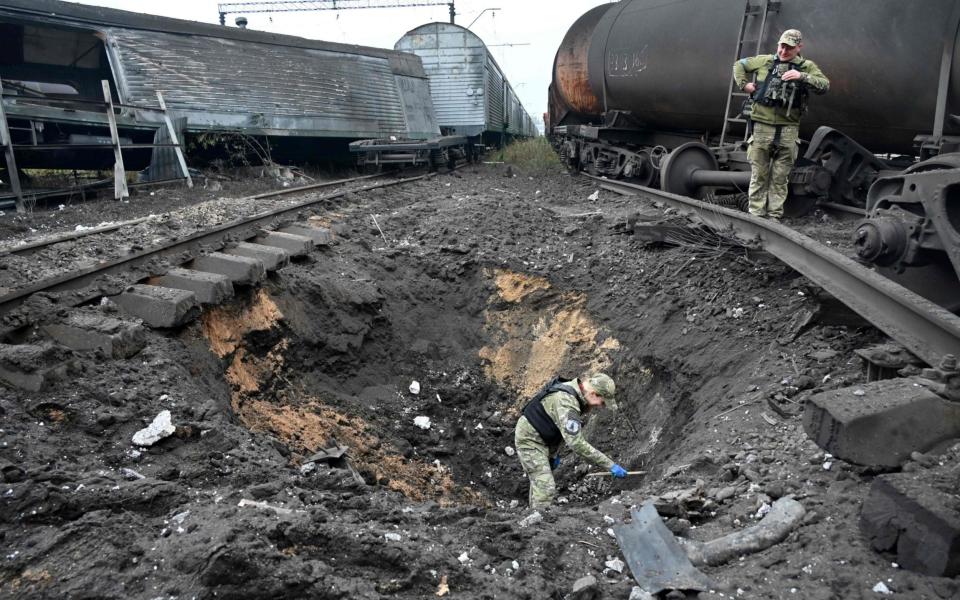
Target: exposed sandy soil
480,288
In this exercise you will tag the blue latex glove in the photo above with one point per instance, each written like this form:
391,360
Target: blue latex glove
618,471
554,462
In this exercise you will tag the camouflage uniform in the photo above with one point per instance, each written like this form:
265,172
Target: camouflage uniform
772,156
566,411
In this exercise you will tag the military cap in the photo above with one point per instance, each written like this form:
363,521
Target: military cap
603,385
791,37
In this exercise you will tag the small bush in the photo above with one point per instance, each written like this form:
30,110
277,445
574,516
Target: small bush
532,155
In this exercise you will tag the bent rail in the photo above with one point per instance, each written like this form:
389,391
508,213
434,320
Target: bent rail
925,329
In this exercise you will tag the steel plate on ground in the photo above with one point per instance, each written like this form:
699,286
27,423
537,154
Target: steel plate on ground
655,557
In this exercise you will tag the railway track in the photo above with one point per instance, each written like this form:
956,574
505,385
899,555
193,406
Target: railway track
80,286
36,246
925,329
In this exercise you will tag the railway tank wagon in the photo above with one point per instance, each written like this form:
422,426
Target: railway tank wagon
471,95
641,90
311,97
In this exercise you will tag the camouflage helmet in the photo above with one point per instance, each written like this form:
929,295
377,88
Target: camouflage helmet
791,37
603,385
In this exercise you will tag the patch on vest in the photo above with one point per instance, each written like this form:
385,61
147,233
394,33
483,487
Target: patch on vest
571,426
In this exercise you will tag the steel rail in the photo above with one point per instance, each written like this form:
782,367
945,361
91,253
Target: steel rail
180,250
922,327
68,237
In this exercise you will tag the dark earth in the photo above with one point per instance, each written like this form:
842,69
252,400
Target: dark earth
479,285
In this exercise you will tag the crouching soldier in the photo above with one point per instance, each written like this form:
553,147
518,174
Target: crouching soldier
555,416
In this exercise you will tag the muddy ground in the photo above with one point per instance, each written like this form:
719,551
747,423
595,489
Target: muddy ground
478,285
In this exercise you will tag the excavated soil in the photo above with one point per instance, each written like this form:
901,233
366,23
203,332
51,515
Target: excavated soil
479,286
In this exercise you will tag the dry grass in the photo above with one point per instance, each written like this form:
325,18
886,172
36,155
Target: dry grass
533,155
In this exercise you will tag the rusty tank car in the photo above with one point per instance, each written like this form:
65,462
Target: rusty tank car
642,90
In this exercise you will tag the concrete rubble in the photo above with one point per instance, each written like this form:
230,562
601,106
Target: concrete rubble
84,330
880,423
34,367
916,522
161,427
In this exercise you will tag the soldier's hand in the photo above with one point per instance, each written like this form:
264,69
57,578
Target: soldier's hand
618,471
791,75
750,88
554,462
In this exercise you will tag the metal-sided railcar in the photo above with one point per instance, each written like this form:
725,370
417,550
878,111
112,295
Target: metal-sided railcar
216,78
471,94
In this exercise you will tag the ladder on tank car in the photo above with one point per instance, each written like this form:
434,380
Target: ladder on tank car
754,21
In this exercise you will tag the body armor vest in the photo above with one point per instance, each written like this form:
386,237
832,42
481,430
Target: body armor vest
774,91
537,415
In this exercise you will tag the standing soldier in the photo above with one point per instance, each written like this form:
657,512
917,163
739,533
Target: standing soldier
784,81
555,415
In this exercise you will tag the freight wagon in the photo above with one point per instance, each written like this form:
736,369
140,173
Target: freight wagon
311,97
642,90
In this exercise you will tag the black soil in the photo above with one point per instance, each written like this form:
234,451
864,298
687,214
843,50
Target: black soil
479,286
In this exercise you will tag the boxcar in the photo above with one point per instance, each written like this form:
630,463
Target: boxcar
471,95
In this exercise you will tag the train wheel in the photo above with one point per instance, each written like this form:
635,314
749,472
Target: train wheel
676,175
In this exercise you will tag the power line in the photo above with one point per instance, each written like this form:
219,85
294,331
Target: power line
273,6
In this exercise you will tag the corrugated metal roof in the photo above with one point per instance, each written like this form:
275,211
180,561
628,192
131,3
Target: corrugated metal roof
96,17
223,81
227,78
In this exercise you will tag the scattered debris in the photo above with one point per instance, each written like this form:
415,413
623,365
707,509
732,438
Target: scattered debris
131,475
336,457
615,564
785,514
531,519
160,428
585,588
686,503
881,588
638,593
260,504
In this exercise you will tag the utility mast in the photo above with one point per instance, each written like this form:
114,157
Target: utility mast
274,6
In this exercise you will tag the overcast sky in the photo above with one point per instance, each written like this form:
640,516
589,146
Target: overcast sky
539,24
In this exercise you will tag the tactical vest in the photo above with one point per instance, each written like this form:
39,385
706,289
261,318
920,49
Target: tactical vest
776,92
537,415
